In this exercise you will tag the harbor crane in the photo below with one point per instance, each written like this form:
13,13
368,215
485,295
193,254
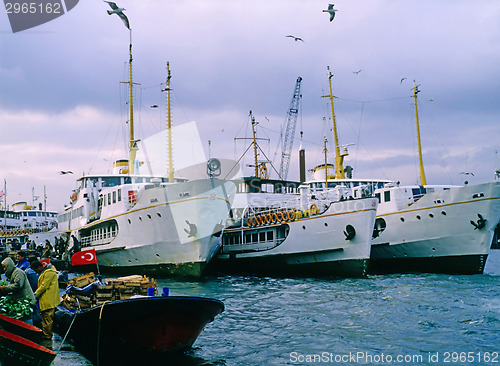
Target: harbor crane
291,123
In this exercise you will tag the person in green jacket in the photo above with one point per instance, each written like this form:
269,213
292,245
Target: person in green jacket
19,287
47,295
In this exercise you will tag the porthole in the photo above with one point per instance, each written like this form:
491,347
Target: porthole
418,217
303,227
149,216
159,214
431,215
402,219
326,224
129,221
443,213
140,218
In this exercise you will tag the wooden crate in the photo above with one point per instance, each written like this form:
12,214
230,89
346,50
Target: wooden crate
83,280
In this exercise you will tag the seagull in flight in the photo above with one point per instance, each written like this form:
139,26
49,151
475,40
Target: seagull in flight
331,10
118,11
296,38
356,72
401,81
62,172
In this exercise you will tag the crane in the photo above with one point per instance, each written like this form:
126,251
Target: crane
291,123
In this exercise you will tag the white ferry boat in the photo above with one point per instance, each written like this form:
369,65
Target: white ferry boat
152,224
420,228
277,228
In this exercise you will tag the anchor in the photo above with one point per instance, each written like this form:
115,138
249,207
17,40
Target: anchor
192,229
481,222
349,232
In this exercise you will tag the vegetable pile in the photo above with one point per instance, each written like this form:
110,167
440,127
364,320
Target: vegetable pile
15,308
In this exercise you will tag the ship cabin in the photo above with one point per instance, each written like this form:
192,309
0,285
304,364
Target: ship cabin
256,191
99,197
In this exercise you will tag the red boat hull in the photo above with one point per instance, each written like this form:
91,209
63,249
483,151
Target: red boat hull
20,328
16,350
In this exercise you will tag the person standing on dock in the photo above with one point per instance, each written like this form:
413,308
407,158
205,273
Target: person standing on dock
47,295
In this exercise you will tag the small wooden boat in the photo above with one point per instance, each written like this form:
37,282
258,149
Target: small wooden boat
20,328
137,329
16,350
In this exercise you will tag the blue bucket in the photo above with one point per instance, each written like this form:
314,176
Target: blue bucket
165,291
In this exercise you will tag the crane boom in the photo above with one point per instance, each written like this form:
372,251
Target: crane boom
291,123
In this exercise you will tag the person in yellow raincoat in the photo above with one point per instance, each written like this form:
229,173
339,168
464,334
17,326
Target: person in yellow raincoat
47,295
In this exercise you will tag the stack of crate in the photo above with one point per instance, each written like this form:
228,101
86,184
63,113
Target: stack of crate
126,287
114,289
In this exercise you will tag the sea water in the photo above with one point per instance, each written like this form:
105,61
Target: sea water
405,319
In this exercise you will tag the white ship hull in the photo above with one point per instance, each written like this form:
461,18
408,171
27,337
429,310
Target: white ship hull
435,234
169,229
311,245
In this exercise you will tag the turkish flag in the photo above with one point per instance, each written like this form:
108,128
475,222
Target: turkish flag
84,257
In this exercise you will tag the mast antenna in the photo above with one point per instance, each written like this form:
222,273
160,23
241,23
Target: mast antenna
423,180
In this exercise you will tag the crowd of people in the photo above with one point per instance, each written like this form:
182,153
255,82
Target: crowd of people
38,281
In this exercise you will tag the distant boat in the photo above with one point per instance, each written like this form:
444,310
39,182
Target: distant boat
142,329
422,228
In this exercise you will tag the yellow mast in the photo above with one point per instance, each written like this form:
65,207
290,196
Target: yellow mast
423,181
254,145
339,158
132,145
326,164
169,126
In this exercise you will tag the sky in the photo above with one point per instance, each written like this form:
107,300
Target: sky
63,106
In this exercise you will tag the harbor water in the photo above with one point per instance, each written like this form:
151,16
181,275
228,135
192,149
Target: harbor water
405,319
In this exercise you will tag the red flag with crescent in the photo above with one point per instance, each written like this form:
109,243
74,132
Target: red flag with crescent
84,257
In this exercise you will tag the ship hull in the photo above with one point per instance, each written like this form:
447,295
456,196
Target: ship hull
442,232
313,246
171,230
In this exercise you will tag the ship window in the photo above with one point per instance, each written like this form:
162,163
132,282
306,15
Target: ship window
255,237
114,196
387,196
248,238
109,198
377,196
262,236
127,180
119,195
269,236
110,181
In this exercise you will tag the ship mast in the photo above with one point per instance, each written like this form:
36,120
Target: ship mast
326,163
339,158
169,128
423,181
252,119
132,146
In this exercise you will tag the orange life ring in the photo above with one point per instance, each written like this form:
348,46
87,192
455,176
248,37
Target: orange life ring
279,215
251,221
258,220
313,209
291,215
266,219
274,217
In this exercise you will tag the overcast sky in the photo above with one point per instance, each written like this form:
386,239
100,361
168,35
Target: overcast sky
62,106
